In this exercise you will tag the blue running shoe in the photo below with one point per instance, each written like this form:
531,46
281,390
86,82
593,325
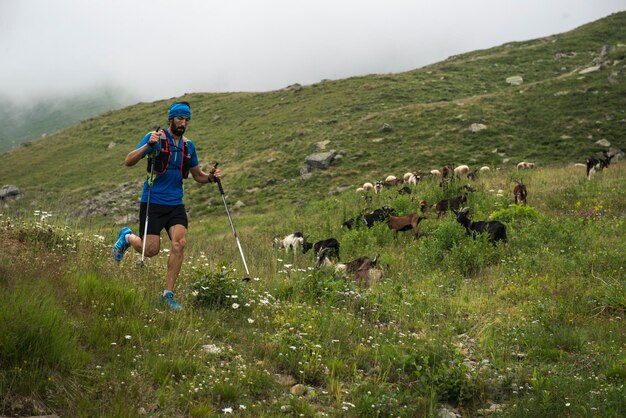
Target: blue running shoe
168,297
121,245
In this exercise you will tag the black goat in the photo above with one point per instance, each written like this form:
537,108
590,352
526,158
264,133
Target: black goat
404,190
495,229
598,164
328,247
378,215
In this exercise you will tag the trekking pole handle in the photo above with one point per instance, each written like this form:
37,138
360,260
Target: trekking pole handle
217,180
153,153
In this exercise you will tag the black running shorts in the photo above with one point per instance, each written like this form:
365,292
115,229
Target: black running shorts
161,217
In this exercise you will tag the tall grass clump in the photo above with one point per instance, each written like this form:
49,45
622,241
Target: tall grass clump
37,348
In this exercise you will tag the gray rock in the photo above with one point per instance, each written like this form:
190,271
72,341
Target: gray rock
320,161
447,412
476,127
320,146
588,70
298,390
616,154
8,192
515,80
339,190
296,87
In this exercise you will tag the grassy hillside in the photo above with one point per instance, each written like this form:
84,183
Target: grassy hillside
533,328
554,117
530,328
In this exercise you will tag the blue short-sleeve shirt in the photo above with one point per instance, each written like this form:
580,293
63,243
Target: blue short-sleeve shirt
167,188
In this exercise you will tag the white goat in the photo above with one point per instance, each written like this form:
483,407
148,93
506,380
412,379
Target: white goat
291,241
525,166
461,170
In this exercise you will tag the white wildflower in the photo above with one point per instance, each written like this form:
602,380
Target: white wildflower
235,305
211,349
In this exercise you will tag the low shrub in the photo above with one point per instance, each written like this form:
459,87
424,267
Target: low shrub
218,289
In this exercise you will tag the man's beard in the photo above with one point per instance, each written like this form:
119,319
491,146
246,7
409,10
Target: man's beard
177,130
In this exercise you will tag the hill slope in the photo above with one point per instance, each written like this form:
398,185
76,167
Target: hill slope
262,139
35,120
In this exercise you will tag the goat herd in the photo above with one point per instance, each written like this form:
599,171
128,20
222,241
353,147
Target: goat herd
363,269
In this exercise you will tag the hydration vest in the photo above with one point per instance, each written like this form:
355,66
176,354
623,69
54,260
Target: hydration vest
162,160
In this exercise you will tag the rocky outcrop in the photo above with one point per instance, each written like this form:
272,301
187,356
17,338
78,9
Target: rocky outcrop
121,203
320,161
9,192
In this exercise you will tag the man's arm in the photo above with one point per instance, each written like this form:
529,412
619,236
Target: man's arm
135,155
203,177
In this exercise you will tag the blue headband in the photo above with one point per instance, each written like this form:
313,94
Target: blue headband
179,110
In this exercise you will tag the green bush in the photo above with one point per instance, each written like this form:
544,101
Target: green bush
441,370
218,290
515,213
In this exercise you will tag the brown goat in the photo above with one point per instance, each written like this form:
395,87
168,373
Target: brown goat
362,270
392,182
444,205
369,276
520,193
404,223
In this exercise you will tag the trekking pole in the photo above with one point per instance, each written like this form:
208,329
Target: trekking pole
232,225
145,227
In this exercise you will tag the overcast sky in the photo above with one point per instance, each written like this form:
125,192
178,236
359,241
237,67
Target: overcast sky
157,49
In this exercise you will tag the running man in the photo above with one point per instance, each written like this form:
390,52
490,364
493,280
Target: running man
174,158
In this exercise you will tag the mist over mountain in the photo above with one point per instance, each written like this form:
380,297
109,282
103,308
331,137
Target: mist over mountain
27,121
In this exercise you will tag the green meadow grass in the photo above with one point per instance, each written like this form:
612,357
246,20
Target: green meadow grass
534,326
